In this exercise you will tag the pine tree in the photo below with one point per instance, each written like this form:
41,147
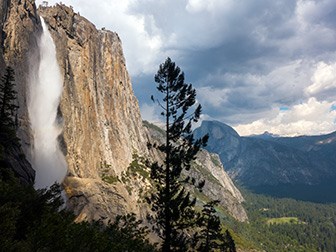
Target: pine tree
171,203
7,98
211,236
229,243
8,108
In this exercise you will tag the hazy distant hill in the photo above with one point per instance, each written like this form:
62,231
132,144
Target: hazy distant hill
300,167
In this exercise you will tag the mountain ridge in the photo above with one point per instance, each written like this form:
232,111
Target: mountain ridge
254,161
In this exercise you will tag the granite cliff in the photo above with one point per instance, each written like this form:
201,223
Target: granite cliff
103,138
102,123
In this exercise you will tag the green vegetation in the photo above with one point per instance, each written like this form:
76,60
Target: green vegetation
8,95
175,217
35,221
137,166
321,193
8,110
285,225
211,237
137,169
278,224
173,209
32,221
110,179
284,220
105,176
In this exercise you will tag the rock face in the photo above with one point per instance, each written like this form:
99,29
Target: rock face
14,159
218,184
102,123
20,26
223,140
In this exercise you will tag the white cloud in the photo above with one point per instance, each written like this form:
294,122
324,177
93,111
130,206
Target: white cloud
323,81
253,102
215,97
150,113
310,118
211,6
314,12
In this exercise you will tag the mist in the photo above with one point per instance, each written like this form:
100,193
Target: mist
46,84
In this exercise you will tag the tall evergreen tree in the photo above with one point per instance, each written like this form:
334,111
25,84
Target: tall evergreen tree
8,97
8,109
211,236
171,203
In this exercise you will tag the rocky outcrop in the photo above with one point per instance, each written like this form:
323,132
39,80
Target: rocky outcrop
20,26
14,159
218,184
223,140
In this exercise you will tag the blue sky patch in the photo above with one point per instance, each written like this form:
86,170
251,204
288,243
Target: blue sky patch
284,108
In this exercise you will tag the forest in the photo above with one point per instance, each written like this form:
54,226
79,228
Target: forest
283,224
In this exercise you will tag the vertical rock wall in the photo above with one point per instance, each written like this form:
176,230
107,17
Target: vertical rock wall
102,123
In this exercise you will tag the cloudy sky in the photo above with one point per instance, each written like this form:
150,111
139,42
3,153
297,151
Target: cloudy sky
257,65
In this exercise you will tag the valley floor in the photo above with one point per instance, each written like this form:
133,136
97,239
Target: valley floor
285,225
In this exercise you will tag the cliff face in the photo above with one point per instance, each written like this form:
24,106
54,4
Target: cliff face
218,184
20,26
103,138
102,123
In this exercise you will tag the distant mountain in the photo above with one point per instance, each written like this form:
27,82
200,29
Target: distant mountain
266,135
299,167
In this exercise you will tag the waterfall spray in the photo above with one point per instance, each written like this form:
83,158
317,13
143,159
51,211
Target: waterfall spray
46,85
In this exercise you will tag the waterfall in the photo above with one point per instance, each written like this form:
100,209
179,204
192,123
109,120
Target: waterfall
45,91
